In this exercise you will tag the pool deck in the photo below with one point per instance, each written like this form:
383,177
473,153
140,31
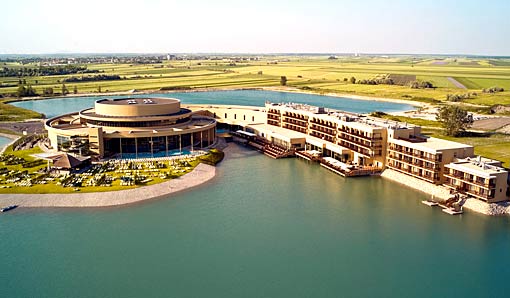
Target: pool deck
201,174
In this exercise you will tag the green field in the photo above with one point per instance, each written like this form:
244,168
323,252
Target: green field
315,73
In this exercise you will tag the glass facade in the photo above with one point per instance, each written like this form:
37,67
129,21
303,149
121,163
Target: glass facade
159,145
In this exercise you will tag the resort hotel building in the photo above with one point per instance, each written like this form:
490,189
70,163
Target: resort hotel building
133,128
347,143
353,145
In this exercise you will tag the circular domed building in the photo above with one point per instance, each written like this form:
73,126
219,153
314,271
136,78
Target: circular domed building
132,128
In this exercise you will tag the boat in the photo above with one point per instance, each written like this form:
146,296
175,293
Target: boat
8,208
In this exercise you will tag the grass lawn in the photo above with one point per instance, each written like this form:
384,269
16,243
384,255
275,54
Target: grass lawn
415,121
153,177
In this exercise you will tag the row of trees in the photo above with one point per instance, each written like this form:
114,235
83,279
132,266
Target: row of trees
421,85
101,77
28,90
389,81
493,90
460,97
25,90
44,71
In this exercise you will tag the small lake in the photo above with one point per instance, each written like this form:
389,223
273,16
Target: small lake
57,106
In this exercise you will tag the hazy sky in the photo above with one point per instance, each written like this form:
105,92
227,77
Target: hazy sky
257,26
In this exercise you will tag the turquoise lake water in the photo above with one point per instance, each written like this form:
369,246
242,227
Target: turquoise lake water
261,228
4,141
58,106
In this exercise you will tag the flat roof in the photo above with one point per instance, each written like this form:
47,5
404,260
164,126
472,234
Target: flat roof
145,100
286,133
432,145
478,169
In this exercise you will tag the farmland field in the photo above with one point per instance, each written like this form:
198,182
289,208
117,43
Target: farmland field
313,73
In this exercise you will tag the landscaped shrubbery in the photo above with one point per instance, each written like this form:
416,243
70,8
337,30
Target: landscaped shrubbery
214,157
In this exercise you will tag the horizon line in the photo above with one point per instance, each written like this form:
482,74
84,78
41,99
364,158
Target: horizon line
260,53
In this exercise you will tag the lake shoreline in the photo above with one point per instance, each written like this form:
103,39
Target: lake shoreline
200,175
13,139
275,89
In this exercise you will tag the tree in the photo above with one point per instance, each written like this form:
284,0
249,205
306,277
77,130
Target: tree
64,89
454,119
353,80
48,91
25,91
283,80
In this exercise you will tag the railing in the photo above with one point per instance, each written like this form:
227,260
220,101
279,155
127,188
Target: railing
356,148
333,127
292,121
370,146
411,153
412,173
409,160
464,190
360,135
471,181
325,131
295,128
364,171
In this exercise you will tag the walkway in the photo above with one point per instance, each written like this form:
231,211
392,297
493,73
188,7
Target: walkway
202,173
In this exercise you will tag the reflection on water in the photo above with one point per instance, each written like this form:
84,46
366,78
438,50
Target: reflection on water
59,106
261,228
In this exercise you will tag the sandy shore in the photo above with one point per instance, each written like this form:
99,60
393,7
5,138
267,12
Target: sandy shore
8,136
439,192
201,174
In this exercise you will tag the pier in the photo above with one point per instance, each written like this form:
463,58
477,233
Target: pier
452,206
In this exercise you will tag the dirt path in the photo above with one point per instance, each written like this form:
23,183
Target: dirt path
202,173
456,83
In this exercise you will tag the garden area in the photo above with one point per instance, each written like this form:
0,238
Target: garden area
21,172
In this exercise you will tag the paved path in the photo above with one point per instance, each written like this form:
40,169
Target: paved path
199,175
456,83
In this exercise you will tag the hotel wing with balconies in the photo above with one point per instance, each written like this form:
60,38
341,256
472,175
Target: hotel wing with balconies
479,177
368,142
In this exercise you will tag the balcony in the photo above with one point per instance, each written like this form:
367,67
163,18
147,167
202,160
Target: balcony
461,178
413,154
410,172
355,133
295,128
332,126
420,164
356,148
291,122
361,142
